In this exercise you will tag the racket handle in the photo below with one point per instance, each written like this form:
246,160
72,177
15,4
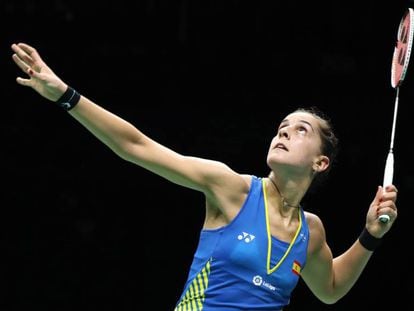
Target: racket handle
389,170
388,176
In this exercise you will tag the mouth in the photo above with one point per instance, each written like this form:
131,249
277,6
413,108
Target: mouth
281,146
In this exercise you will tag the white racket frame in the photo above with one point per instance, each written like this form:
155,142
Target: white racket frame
389,164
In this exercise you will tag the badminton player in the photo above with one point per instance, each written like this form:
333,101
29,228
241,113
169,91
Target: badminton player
257,240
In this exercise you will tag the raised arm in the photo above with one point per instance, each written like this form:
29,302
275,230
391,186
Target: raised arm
331,278
122,137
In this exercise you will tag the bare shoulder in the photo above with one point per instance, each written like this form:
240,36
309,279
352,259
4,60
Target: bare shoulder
226,199
247,180
316,231
240,185
229,190
313,220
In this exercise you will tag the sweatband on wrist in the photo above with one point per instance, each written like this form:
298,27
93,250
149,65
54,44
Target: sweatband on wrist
69,99
368,241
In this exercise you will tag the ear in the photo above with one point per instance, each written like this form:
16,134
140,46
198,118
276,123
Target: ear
321,164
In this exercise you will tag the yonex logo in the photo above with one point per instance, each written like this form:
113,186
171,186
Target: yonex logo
246,237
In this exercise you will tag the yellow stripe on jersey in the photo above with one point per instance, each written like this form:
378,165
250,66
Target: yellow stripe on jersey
194,297
269,238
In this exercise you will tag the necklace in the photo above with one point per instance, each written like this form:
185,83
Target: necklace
269,237
285,203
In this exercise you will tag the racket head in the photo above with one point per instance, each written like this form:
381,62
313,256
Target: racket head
402,49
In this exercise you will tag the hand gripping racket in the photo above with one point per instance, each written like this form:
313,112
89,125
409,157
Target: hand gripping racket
400,60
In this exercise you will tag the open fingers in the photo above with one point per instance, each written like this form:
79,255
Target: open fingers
30,51
23,54
20,63
25,82
27,48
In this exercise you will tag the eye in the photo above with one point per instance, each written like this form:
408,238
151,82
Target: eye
302,129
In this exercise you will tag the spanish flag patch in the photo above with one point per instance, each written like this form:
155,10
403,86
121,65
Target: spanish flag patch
296,267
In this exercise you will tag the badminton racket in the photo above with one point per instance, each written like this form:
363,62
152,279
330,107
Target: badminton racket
400,61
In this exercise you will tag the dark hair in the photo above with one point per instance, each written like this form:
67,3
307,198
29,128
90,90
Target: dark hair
330,142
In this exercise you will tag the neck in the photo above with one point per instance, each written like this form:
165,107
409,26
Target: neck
290,203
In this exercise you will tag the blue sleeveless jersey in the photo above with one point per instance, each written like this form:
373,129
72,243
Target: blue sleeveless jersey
241,266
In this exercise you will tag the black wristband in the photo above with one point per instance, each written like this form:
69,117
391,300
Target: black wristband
69,99
368,241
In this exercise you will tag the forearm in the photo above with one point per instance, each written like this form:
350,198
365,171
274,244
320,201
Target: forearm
348,268
118,134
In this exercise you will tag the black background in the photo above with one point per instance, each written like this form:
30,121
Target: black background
82,229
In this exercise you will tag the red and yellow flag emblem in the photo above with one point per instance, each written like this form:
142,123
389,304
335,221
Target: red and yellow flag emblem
296,267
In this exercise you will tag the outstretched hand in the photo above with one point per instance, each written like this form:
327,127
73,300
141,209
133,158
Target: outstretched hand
383,203
41,78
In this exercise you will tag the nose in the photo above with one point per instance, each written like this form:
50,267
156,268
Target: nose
283,132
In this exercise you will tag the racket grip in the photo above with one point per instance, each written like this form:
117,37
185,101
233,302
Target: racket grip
388,177
389,170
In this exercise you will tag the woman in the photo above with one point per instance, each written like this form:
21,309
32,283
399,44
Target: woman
257,240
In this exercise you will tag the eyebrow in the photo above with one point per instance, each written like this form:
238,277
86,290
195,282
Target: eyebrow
303,121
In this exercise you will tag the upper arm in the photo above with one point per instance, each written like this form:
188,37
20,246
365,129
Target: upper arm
318,272
191,172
